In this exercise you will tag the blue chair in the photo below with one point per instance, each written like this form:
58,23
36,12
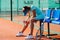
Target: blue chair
48,15
48,19
56,17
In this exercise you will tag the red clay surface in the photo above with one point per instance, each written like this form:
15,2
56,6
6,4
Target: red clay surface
9,29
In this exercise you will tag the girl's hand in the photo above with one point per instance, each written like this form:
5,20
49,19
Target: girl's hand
25,21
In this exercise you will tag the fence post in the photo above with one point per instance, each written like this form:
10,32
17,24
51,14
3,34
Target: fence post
11,9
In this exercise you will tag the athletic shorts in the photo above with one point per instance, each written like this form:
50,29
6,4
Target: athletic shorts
40,17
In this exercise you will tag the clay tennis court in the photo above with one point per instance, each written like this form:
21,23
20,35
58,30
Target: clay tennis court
11,22
9,29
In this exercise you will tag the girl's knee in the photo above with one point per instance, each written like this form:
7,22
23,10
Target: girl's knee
32,20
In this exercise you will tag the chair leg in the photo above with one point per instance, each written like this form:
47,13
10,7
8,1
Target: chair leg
48,29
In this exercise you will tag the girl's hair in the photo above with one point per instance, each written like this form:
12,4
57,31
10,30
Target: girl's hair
26,8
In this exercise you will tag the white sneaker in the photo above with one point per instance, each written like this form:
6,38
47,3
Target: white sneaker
29,37
19,34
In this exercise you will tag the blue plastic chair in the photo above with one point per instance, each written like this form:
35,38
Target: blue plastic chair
48,19
56,17
48,15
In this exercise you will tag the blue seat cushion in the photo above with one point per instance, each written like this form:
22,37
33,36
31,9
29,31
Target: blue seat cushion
48,20
56,22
